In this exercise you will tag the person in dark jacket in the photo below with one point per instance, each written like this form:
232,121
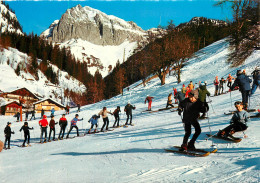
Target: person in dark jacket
63,124
128,110
26,115
78,107
17,116
180,96
8,132
33,114
203,92
42,113
191,107
26,131
237,122
116,115
52,128
256,78
243,82
221,86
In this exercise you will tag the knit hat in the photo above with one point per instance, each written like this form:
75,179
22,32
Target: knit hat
194,93
8,123
44,116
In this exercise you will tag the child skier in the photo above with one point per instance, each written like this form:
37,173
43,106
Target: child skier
63,124
216,83
26,131
191,107
52,128
43,124
74,125
169,101
94,121
221,86
116,115
237,122
8,132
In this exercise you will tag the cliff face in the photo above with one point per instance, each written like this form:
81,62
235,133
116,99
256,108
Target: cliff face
94,26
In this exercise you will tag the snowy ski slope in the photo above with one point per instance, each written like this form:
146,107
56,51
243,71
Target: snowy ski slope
135,154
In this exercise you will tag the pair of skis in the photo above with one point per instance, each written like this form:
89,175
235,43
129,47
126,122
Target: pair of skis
195,152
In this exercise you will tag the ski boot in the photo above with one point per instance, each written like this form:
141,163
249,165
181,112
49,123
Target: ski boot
191,146
95,131
184,147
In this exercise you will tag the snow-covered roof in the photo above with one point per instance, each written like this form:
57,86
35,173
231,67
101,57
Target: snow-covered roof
13,89
7,103
57,103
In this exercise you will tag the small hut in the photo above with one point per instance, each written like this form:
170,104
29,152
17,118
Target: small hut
47,105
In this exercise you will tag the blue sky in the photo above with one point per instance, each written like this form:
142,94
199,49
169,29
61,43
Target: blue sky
36,16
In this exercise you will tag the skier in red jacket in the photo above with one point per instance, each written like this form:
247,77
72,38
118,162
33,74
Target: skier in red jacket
149,100
43,124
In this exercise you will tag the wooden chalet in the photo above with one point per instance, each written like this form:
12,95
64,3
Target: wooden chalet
47,105
22,96
10,108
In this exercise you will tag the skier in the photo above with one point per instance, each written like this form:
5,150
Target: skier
43,124
202,97
94,121
174,94
128,109
169,101
229,79
8,133
149,100
74,125
191,107
221,86
17,116
191,86
33,114
116,115
52,111
67,109
26,131
188,90
243,82
104,113
42,113
256,77
63,124
216,83
237,122
180,96
78,107
26,115
183,90
52,128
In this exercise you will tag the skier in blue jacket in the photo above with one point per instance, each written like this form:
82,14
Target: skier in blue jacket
74,125
94,121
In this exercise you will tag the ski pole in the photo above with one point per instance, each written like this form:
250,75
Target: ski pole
211,105
212,145
230,99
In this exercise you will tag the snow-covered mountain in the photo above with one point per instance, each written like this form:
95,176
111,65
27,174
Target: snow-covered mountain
95,37
8,20
136,154
11,58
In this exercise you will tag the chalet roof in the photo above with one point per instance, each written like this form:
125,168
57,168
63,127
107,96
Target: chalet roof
51,100
11,90
7,103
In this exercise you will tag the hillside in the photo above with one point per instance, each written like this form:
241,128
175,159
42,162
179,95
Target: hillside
10,59
135,154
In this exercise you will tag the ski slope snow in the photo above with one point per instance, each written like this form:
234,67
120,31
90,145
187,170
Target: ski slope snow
136,154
